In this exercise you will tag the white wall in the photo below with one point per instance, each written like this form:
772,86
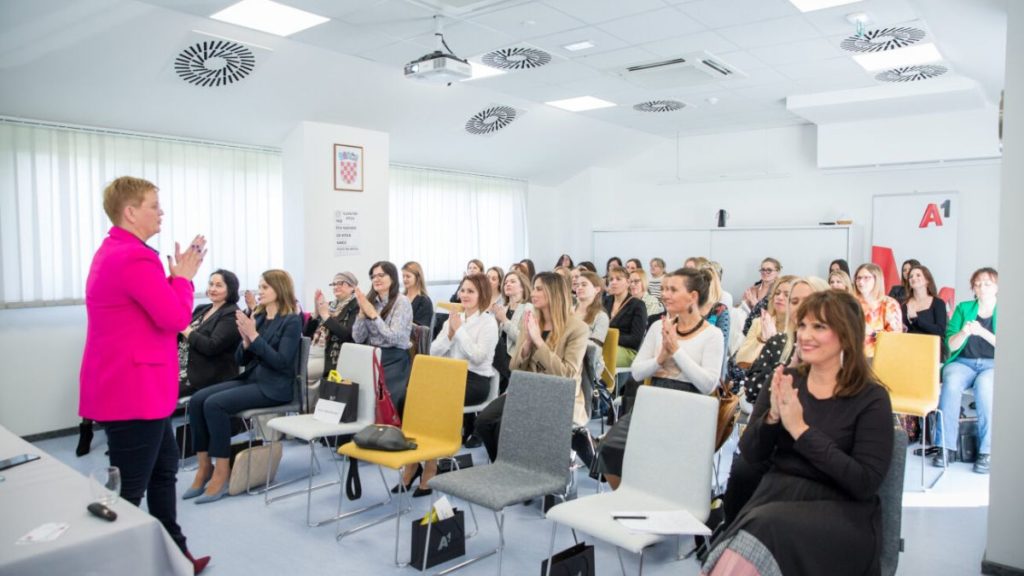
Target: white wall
311,201
1006,509
760,178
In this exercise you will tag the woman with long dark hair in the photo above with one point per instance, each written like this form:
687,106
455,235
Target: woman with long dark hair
385,321
923,311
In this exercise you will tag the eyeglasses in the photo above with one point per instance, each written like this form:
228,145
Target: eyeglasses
766,270
634,282
378,276
336,284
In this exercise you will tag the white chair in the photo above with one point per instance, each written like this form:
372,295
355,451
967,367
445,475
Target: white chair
666,466
492,393
737,316
355,362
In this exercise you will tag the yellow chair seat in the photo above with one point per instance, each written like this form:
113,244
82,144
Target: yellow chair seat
426,449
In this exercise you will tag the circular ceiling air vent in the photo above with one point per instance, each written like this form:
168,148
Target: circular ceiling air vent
490,120
519,58
883,39
911,73
214,63
659,106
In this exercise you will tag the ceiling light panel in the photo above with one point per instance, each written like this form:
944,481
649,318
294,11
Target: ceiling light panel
909,56
581,104
483,71
577,46
812,5
269,16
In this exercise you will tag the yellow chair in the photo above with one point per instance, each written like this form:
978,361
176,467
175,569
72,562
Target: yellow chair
608,351
432,419
450,307
909,365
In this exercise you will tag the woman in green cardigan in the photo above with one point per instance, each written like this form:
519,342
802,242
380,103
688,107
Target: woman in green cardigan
971,335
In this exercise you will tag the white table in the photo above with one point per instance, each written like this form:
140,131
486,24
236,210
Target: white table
47,490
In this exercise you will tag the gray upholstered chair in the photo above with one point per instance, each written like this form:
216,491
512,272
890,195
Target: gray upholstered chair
890,495
532,448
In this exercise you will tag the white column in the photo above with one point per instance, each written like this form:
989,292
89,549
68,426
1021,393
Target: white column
1004,553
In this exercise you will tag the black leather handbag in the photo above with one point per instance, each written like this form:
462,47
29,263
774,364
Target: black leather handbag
383,437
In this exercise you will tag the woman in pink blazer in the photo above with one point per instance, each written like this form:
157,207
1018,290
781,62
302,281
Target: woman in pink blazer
129,376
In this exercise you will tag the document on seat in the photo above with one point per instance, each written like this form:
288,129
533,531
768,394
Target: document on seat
660,522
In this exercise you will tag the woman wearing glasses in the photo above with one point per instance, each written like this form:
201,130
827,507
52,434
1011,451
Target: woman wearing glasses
385,321
331,325
638,289
755,298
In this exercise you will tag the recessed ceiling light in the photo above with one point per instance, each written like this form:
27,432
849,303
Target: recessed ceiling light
269,16
581,104
577,46
908,56
483,71
812,5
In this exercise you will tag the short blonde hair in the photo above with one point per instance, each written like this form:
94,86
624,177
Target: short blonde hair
124,191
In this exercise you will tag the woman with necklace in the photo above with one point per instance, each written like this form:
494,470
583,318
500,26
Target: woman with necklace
825,433
971,336
330,327
881,313
682,351
923,311
206,349
267,353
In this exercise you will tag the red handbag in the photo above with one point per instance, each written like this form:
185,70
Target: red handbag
386,413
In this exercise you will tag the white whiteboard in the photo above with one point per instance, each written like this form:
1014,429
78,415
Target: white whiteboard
803,250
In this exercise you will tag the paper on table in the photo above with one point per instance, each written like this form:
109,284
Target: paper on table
662,522
46,533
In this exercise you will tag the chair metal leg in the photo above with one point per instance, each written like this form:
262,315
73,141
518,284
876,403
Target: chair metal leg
499,519
641,572
184,439
341,498
402,495
622,565
314,469
551,548
924,457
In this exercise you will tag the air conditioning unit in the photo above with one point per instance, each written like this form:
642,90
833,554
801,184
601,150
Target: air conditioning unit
686,70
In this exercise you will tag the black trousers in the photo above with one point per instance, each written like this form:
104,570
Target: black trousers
147,455
488,425
210,411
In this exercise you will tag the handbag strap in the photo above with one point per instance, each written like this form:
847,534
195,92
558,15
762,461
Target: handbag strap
353,486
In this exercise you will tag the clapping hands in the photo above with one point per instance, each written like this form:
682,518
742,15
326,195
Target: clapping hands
785,404
186,264
246,327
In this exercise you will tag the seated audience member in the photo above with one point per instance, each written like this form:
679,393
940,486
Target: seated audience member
638,290
682,351
565,260
716,313
470,335
825,433
633,264
726,297
923,311
565,273
496,279
839,280
771,322
509,316
530,270
574,277
206,349
552,341
415,290
657,275
744,477
588,265
385,321
881,313
971,337
268,354
474,266
589,308
613,262
625,313
696,262
755,298
901,291
331,326
839,265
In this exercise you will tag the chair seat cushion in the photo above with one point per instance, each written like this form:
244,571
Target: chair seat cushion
280,409
427,449
592,515
497,485
913,406
306,427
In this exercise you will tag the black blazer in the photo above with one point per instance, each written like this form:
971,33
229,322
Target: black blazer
271,362
339,331
422,310
931,321
211,347
631,321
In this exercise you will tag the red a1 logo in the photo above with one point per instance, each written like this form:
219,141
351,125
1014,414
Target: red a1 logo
932,215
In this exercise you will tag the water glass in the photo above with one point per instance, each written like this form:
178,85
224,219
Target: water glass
105,483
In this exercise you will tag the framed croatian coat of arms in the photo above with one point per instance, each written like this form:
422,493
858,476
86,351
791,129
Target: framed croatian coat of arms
348,168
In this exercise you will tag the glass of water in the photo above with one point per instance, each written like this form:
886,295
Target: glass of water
105,482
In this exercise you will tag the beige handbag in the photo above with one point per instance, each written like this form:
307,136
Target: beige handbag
256,465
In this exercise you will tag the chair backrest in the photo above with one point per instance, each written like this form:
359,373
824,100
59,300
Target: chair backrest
421,338
670,447
536,424
355,363
909,365
592,360
890,496
301,387
737,316
609,351
435,398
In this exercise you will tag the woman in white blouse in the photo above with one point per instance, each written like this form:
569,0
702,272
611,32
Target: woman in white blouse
682,351
470,335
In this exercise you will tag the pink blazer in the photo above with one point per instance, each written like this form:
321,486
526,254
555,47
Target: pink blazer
130,363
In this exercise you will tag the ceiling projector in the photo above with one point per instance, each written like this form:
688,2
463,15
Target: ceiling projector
438,68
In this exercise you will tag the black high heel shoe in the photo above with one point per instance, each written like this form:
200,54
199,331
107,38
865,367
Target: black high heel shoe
84,438
398,487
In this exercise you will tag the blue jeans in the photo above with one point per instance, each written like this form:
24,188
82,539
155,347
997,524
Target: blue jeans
958,376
